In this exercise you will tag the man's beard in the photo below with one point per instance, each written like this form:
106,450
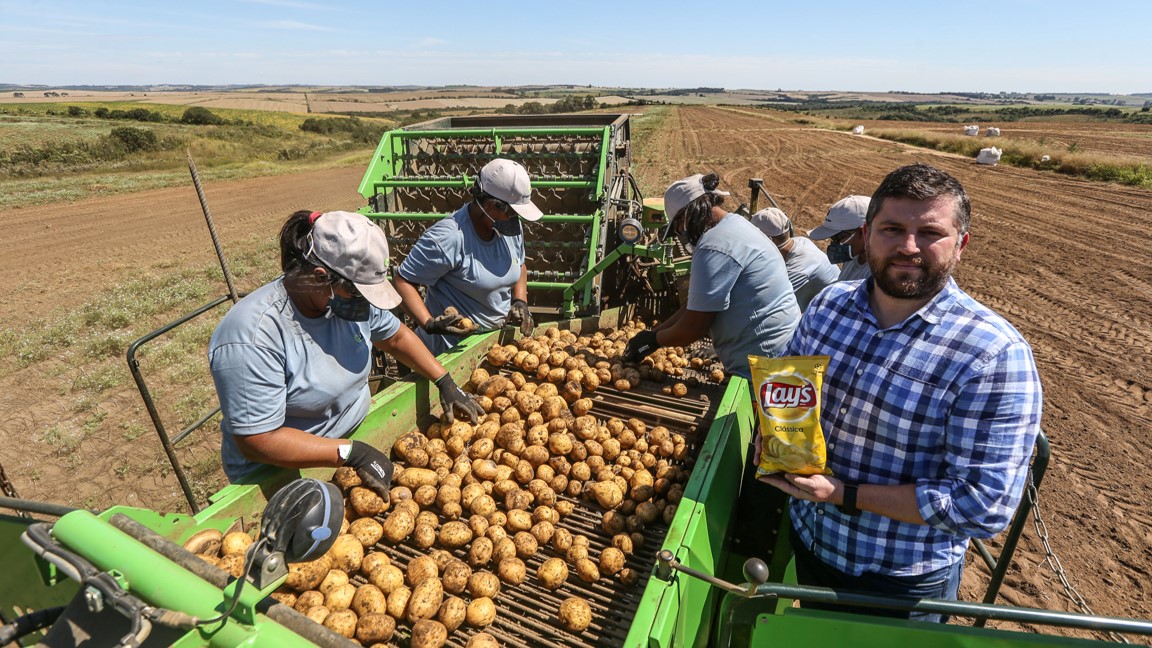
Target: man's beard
926,281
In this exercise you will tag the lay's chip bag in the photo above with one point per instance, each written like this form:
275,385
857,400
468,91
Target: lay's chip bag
787,395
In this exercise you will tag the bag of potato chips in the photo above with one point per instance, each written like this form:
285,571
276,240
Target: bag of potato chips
787,395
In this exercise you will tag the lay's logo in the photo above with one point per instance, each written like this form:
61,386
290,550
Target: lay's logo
779,394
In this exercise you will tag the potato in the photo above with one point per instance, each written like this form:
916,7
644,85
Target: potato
552,573
388,578
309,599
424,536
512,571
455,534
587,570
367,530
421,569
484,584
526,544
340,597
442,558
607,494
316,613
398,602
561,540
347,553
369,600
543,531
235,543
398,525
481,552
575,614
481,612
414,478
307,575
375,628
455,579
334,578
285,597
345,477
629,577
366,502
208,542
623,542
232,564
453,611
482,640
426,600
427,633
342,622
611,560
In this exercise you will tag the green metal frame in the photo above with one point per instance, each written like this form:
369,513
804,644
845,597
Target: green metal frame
385,173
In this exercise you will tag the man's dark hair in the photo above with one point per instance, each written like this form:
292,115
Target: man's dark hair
922,182
698,212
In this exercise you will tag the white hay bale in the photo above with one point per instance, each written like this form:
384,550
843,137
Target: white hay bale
858,130
971,131
992,131
989,155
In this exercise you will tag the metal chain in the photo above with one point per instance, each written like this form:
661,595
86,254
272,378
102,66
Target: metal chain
1054,562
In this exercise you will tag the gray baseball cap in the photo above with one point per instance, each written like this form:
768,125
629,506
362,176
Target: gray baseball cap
771,221
847,214
356,249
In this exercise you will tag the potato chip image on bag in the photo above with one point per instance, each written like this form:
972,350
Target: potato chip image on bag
787,395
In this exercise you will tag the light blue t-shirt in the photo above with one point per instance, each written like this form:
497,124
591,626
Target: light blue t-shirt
275,368
462,270
738,273
809,270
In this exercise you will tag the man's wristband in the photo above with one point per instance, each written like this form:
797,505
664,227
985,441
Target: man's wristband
849,505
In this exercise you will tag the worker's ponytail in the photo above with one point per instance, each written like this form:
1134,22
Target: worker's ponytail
295,241
698,213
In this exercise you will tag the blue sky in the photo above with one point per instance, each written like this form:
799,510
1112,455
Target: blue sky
1009,45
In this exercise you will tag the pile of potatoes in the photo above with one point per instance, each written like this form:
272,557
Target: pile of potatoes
581,364
482,500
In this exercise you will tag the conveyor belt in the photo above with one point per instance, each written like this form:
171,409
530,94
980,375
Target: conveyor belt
528,614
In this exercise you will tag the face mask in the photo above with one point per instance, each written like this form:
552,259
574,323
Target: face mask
838,254
841,252
510,227
352,309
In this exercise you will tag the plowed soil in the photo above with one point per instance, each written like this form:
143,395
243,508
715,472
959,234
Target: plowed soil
1064,260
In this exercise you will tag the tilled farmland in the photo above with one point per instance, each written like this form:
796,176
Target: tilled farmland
1064,260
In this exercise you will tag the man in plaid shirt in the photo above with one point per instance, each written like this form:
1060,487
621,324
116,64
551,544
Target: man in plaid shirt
931,407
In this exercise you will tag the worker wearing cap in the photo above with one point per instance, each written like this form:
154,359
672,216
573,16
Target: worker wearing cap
738,289
844,227
473,261
291,360
809,269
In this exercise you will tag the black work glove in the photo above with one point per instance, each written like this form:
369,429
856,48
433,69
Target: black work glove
448,324
451,398
372,466
518,313
640,346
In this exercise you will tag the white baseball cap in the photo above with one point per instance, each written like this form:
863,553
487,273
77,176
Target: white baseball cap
679,194
771,221
847,214
356,249
508,181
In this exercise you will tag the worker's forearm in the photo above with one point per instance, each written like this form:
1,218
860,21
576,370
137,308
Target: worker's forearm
520,290
290,448
411,302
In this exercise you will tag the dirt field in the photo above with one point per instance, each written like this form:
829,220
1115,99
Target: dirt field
1064,260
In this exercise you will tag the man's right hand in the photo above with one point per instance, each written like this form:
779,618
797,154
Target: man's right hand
447,324
372,466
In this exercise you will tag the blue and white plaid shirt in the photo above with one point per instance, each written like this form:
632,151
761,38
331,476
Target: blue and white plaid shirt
949,400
